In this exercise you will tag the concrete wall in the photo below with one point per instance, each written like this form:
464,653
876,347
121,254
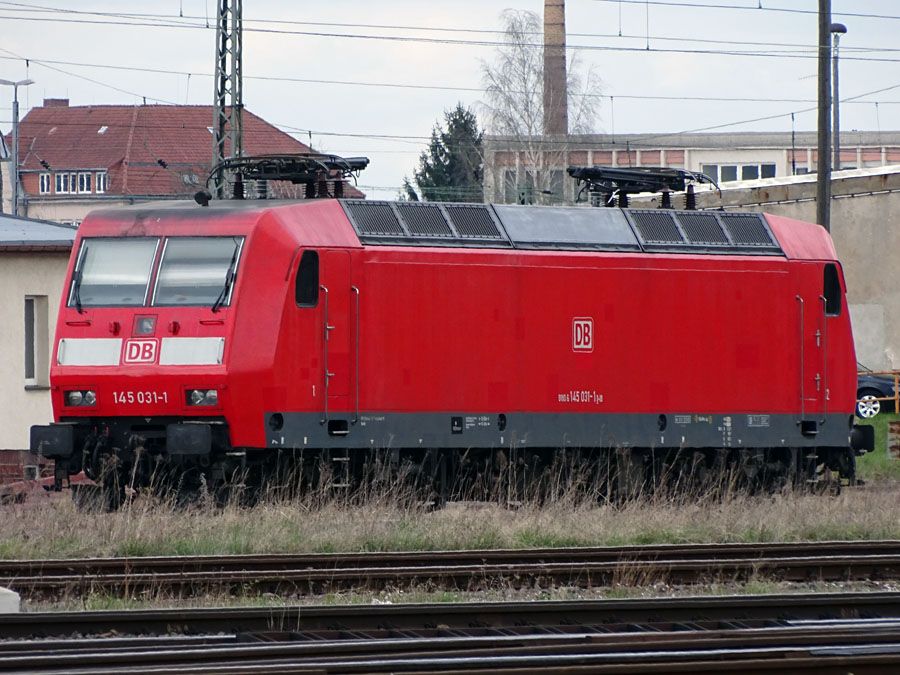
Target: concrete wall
6,200
68,210
39,275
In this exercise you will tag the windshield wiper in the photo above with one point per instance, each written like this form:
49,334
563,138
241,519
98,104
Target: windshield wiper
76,290
229,278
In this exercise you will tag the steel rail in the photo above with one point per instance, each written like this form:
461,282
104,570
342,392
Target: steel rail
368,655
148,564
709,612
831,561
248,645
581,574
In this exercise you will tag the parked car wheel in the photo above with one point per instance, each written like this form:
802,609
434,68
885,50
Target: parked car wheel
867,404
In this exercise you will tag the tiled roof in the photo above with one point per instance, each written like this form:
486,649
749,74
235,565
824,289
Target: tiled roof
25,233
129,141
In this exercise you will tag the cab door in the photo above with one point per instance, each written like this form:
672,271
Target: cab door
337,331
812,309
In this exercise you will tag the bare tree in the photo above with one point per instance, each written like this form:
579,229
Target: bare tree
528,162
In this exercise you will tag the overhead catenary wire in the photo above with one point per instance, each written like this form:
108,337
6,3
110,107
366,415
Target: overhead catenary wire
572,143
401,138
82,77
756,8
409,85
434,29
806,53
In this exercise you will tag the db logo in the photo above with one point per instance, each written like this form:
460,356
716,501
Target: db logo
140,351
583,334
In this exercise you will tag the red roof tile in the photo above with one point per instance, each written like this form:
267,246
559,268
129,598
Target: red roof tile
128,141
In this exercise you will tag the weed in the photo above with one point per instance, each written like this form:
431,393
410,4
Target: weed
879,465
147,526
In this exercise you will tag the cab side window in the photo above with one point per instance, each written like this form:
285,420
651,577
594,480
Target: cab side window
832,291
307,289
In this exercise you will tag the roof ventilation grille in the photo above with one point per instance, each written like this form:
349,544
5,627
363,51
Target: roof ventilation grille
702,228
375,217
747,229
424,220
657,227
473,221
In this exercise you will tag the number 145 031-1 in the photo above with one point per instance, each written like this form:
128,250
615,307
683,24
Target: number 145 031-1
140,397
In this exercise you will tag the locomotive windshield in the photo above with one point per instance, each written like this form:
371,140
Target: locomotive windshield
112,272
197,271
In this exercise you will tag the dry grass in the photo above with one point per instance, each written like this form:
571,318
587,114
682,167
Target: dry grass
55,528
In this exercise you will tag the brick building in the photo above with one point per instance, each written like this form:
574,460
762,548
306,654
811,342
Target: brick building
517,169
73,159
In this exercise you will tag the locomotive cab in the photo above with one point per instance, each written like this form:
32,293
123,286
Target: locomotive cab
142,341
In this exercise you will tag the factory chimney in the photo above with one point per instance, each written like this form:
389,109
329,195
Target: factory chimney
556,115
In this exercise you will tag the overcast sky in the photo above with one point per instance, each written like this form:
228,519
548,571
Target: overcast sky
349,119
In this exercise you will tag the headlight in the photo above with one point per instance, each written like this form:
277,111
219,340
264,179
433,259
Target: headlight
80,398
203,397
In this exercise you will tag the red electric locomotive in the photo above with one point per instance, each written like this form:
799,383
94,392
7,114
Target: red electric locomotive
242,334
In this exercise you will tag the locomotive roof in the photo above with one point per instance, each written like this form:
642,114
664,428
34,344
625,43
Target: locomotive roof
468,225
559,228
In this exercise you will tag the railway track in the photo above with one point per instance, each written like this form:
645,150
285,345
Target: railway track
708,612
473,570
857,633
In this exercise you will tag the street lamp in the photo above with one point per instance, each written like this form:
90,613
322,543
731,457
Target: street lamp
15,139
837,29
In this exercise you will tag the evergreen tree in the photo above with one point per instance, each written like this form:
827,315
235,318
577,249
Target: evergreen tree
452,168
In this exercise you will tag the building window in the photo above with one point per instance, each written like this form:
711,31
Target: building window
45,184
62,183
102,182
727,173
510,187
526,194
557,187
29,341
84,182
36,341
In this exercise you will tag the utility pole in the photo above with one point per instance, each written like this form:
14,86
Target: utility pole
837,29
15,141
228,99
823,182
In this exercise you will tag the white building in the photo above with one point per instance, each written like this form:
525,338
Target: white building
33,259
